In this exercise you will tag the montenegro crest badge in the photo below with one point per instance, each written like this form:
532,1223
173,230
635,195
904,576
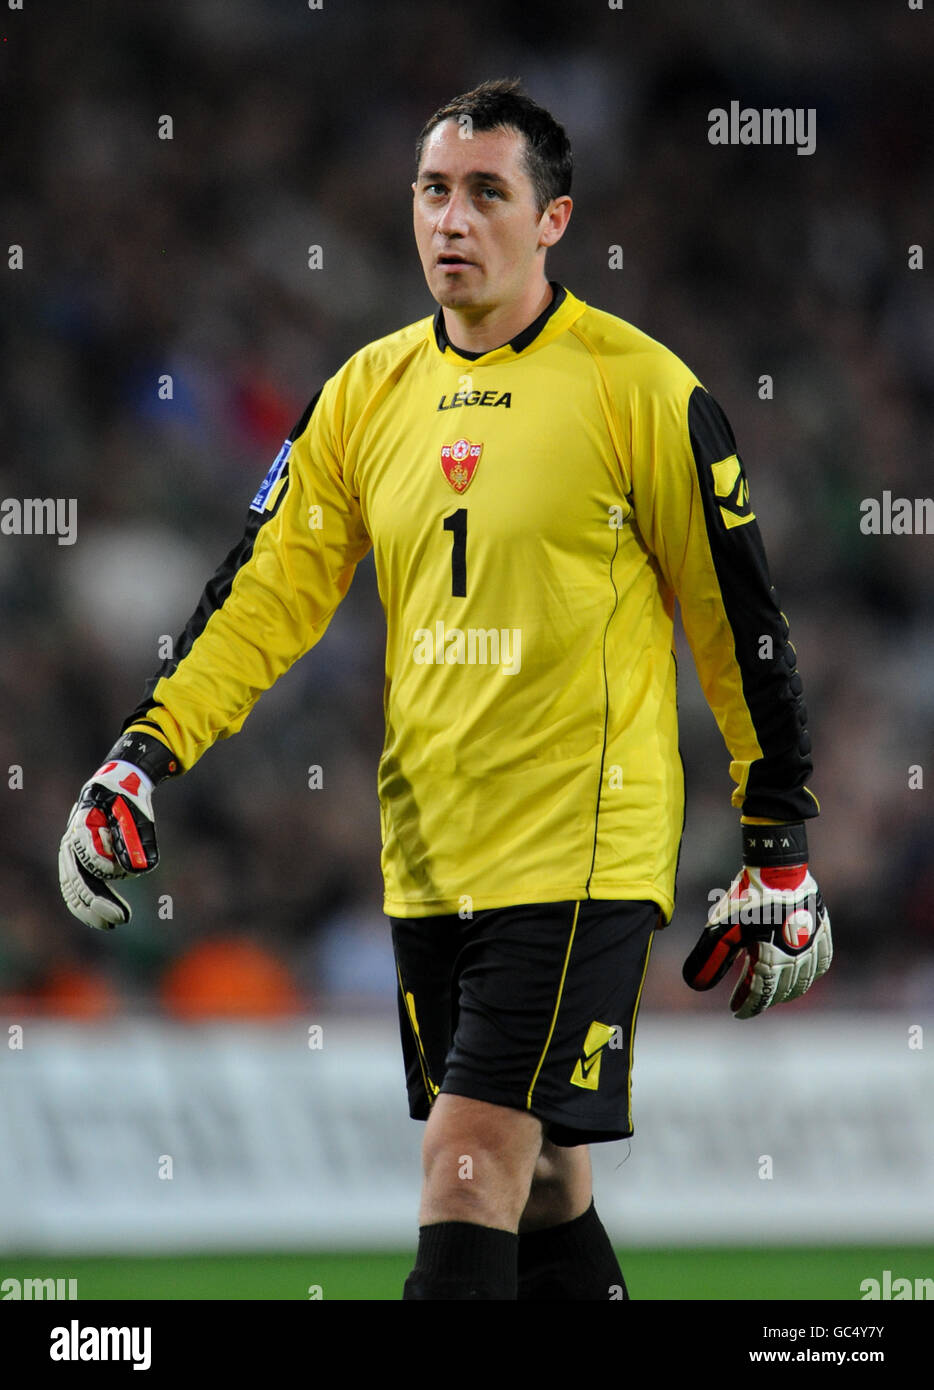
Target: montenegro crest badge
459,463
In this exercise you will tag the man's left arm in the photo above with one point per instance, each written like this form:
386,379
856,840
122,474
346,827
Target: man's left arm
692,504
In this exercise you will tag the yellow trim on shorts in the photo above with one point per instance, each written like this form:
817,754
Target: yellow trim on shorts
632,1026
554,1017
431,1090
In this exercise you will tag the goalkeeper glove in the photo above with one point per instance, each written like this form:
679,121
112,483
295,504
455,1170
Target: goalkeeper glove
774,915
111,832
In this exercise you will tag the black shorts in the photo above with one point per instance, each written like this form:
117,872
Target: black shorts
533,1007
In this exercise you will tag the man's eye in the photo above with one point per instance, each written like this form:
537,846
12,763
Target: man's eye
434,188
493,191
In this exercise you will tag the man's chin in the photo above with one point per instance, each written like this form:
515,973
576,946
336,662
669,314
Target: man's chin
452,295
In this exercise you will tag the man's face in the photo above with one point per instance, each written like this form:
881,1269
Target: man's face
477,226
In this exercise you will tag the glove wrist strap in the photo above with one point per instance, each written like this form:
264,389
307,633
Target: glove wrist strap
774,846
148,754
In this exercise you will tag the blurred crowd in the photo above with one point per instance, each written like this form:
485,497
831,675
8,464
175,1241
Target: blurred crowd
188,257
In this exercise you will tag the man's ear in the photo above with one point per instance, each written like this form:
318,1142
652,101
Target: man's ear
554,220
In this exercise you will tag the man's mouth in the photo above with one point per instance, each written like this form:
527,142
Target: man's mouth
450,260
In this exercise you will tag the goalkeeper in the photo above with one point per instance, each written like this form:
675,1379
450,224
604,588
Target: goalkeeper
539,482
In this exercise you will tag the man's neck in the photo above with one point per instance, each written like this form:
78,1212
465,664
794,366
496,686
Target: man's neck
486,332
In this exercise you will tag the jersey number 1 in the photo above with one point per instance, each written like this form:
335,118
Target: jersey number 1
456,523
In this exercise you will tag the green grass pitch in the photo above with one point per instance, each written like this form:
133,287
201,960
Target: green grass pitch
795,1272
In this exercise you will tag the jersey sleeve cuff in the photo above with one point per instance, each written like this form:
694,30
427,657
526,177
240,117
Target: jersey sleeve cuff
775,846
148,753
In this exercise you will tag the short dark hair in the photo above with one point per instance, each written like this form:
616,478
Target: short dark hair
501,103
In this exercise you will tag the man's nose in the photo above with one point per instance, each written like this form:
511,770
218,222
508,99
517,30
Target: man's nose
453,219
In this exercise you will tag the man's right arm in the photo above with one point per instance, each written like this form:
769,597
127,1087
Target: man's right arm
268,603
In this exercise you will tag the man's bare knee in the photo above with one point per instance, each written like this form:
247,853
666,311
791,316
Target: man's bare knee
478,1161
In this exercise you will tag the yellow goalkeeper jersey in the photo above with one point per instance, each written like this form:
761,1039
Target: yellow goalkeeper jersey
534,512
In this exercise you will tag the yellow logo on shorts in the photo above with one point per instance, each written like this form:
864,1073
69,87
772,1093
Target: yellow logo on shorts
587,1071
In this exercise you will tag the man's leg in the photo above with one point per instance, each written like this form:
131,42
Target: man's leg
478,1162
564,1251
505,1214
561,1187
531,1004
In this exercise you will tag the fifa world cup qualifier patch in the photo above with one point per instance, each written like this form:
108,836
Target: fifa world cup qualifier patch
263,498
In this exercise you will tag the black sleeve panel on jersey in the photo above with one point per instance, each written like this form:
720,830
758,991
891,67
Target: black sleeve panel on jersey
216,590
772,687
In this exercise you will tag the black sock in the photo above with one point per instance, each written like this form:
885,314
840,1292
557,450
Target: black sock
572,1261
457,1259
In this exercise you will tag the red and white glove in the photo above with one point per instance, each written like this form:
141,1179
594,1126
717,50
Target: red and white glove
773,918
111,832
